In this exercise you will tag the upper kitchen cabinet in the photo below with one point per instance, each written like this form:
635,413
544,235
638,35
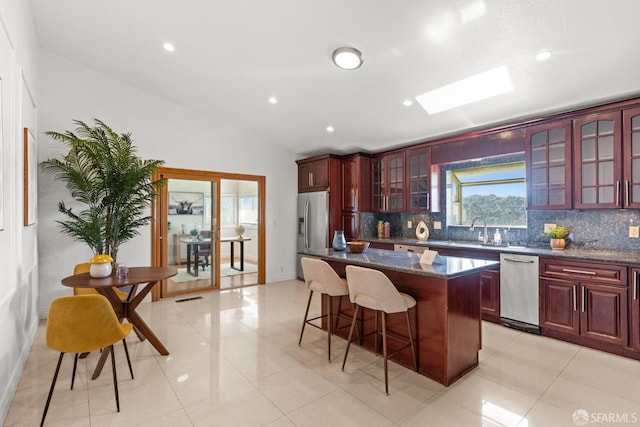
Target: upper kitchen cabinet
387,182
318,173
597,150
631,155
418,185
548,160
356,192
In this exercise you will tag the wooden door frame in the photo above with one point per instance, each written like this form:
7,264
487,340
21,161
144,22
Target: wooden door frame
160,204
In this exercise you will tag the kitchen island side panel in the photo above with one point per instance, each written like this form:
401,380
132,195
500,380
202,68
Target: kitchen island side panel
446,323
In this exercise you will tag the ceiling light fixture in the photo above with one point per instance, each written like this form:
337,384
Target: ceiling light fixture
330,129
543,55
169,47
407,103
347,58
273,100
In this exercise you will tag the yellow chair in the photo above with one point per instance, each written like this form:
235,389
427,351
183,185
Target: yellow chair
84,268
83,323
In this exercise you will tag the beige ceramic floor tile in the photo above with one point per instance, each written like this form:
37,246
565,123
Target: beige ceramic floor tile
295,387
338,409
235,360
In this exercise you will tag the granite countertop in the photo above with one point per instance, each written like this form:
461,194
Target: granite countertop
406,262
618,257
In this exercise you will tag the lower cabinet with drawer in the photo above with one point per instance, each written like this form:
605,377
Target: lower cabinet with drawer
585,303
634,309
489,281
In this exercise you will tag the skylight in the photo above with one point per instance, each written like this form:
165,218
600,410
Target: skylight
467,91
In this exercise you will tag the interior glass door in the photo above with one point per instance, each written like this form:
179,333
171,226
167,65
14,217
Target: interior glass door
191,243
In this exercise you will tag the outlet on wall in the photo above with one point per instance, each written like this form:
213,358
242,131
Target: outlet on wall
437,225
634,231
409,224
548,227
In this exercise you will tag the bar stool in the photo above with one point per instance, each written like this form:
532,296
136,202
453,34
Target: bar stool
320,277
372,289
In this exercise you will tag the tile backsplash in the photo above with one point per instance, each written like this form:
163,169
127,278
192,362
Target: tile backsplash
595,229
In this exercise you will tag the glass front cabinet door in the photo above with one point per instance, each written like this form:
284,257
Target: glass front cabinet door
548,159
598,161
631,148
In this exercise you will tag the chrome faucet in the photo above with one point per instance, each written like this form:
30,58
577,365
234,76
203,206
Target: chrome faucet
485,237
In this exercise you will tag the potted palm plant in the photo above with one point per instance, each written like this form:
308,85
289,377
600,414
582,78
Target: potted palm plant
557,236
103,172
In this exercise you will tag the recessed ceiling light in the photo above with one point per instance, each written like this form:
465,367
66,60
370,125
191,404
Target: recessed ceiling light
169,47
407,103
330,129
273,100
347,58
472,89
543,55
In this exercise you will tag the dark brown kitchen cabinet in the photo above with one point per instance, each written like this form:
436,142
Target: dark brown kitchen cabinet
548,160
356,193
317,173
418,187
387,182
490,294
586,300
631,156
597,152
634,309
489,280
559,305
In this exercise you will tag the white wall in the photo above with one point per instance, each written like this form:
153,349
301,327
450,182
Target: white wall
43,92
181,137
18,248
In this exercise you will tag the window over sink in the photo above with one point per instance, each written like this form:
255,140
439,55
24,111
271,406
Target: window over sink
494,192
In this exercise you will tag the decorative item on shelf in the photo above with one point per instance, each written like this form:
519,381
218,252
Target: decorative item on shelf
239,230
100,266
183,228
387,230
558,236
357,247
380,229
339,242
422,231
194,233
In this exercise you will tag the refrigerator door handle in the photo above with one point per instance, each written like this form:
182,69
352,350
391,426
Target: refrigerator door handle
306,224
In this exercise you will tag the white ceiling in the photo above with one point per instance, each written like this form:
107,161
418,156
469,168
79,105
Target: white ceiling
232,55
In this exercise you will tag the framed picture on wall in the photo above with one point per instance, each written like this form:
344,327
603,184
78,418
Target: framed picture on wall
183,203
30,177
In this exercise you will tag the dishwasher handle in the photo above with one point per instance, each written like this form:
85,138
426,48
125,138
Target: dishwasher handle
523,261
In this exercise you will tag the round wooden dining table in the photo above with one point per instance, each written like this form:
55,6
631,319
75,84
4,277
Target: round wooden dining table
141,280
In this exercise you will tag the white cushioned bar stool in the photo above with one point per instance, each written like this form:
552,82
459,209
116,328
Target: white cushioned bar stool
320,277
372,289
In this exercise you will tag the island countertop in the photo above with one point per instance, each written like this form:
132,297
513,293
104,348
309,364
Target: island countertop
405,262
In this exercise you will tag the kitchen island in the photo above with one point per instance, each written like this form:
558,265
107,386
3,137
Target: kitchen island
447,316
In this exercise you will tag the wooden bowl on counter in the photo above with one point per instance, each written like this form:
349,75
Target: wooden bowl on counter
357,247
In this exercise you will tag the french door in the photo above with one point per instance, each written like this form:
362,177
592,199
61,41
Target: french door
187,229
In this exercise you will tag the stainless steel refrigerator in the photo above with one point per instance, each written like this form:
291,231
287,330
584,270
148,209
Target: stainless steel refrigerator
313,223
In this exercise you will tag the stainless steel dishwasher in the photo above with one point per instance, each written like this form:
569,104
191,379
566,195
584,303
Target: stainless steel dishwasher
519,292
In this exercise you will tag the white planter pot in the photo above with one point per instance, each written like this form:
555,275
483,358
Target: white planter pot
100,270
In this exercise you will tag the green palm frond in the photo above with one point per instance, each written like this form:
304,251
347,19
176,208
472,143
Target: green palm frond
102,171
